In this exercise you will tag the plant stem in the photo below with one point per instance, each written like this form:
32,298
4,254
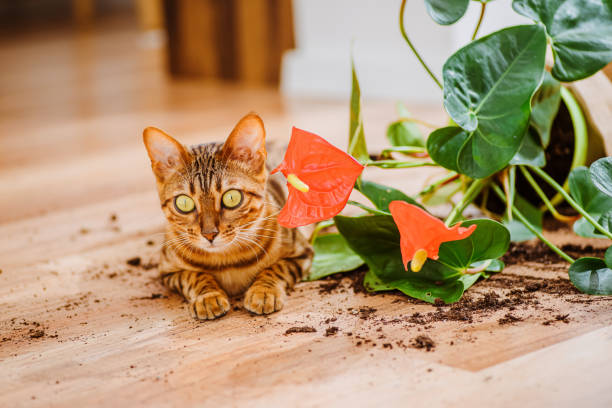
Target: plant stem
483,6
433,187
533,229
581,136
404,149
508,181
543,197
479,269
570,200
420,122
395,164
468,197
580,128
368,209
403,31
321,225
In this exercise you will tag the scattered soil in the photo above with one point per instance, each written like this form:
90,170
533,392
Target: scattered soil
22,329
558,318
505,298
134,261
331,331
153,297
508,319
423,342
328,286
366,312
519,253
36,333
301,329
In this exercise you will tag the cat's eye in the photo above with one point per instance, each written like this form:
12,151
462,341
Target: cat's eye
232,198
184,204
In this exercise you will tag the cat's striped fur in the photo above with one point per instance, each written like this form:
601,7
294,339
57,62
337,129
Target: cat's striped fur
249,252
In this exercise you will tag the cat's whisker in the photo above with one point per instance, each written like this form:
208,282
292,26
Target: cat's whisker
256,235
272,204
256,243
261,219
258,229
249,247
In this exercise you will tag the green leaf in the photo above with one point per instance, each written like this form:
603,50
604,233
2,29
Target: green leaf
443,194
606,222
592,276
580,33
585,229
445,12
373,283
544,107
584,191
490,240
376,239
381,195
494,265
589,197
518,231
469,280
450,291
531,152
357,144
332,255
488,85
608,257
601,174
404,133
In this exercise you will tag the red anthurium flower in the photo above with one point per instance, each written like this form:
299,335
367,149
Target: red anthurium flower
421,234
320,179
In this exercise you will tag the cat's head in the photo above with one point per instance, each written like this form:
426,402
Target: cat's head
211,192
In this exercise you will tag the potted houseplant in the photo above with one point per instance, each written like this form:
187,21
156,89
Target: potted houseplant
504,107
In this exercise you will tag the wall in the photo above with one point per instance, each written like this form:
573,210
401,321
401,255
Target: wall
325,29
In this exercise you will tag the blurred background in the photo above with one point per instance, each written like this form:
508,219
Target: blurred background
303,46
80,79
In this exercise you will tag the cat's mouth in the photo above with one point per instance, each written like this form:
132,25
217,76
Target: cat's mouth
219,244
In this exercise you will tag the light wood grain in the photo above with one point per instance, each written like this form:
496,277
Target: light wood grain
78,201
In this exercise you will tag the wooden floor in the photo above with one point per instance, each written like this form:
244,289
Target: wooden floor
82,327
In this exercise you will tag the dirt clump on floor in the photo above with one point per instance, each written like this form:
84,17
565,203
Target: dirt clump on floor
331,331
508,319
564,318
135,261
36,333
152,296
423,342
300,329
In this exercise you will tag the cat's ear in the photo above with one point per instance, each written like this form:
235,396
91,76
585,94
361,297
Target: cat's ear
166,154
247,142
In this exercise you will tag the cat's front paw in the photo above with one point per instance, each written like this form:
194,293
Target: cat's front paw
210,305
263,300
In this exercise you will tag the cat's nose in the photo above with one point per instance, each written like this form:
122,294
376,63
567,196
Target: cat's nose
210,235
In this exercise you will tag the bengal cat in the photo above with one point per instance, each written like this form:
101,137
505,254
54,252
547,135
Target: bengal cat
222,236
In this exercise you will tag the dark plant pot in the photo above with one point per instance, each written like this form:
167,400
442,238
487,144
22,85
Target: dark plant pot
593,140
